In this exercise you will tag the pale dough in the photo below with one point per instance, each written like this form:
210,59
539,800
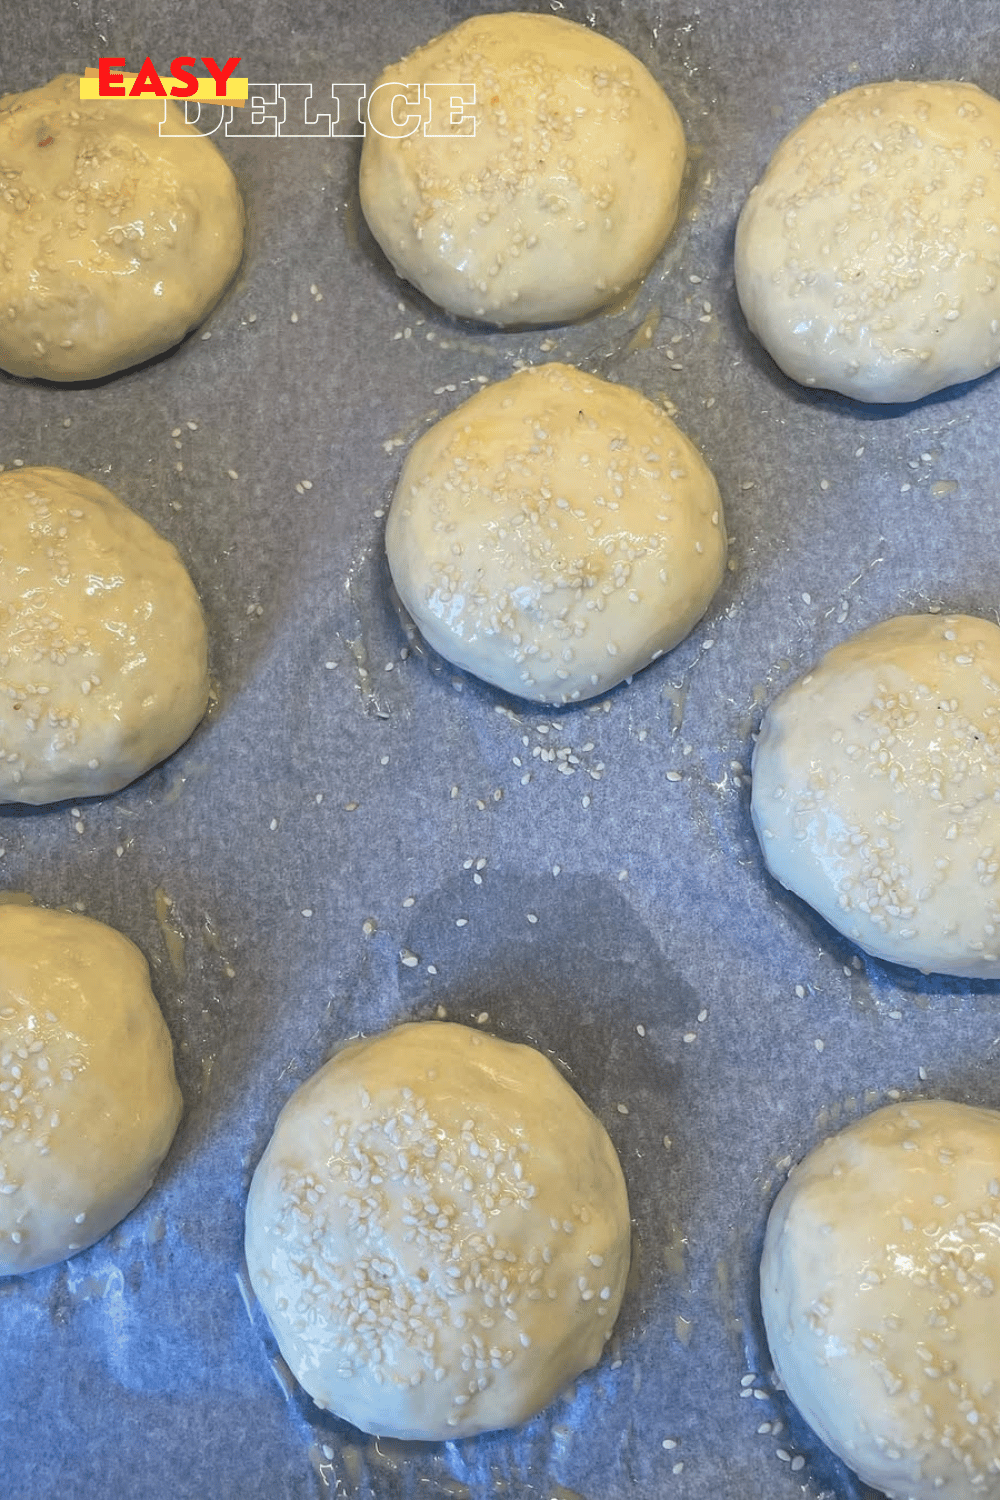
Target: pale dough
103,649
868,256
114,240
880,1289
555,534
876,791
438,1233
88,1098
561,199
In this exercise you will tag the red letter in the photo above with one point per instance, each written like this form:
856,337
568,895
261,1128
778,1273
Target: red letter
179,68
147,81
221,74
109,85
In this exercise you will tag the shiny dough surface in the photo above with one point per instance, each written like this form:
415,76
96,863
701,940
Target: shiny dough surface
555,534
103,647
89,1101
876,791
868,257
115,241
560,200
438,1233
880,1288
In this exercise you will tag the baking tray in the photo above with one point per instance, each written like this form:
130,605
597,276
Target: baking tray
349,798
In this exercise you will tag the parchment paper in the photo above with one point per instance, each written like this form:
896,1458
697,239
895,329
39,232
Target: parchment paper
348,799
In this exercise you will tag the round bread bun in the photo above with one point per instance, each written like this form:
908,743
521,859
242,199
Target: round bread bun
103,650
88,1098
876,792
878,1287
867,257
555,534
114,240
559,200
438,1233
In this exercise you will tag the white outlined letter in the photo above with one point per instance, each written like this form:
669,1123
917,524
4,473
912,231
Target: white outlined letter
299,95
254,118
192,116
357,124
450,99
397,129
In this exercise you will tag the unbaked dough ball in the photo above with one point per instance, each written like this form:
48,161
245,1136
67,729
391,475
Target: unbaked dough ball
88,1098
560,200
555,534
876,791
880,1289
103,650
438,1233
867,257
114,240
